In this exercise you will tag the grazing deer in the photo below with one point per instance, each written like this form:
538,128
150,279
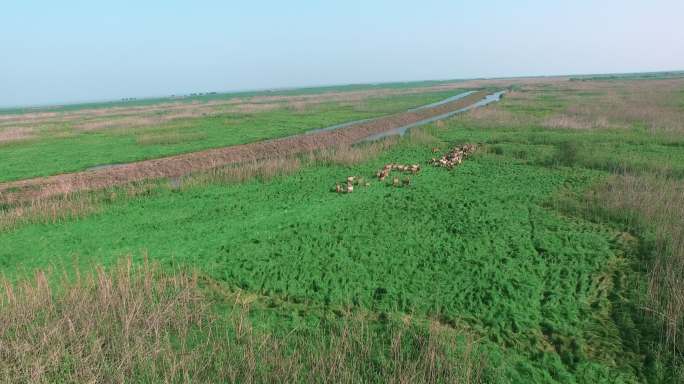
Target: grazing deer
454,157
382,174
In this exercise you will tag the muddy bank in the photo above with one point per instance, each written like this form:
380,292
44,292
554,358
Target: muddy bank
179,165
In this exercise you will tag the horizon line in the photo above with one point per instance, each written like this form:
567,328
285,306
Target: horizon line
310,86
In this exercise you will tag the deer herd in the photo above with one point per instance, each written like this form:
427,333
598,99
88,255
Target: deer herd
454,157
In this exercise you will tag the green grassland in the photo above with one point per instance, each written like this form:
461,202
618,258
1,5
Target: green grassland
474,246
62,148
487,249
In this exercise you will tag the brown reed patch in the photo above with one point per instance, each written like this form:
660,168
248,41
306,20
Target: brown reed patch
47,211
130,122
248,108
652,206
655,203
136,323
65,205
653,104
423,136
143,120
349,155
15,134
577,121
238,173
495,116
297,106
103,327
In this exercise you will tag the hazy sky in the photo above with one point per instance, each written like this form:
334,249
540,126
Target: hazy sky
67,51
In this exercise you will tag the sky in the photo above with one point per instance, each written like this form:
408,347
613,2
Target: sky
54,52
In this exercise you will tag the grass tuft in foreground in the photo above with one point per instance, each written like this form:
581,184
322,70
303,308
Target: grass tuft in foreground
137,324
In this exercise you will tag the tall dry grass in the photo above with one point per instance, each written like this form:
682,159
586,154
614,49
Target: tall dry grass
352,352
652,104
423,135
655,204
136,323
347,155
577,121
652,208
103,327
495,116
68,205
51,211
257,169
15,134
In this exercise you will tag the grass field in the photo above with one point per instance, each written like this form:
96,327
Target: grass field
68,143
553,255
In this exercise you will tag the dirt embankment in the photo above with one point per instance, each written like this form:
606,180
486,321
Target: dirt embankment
179,165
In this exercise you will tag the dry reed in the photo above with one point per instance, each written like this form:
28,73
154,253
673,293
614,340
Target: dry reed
259,169
51,211
137,323
655,203
422,136
67,205
16,133
654,104
581,122
100,328
349,155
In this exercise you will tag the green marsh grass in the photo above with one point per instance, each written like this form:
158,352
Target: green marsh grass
557,248
473,247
